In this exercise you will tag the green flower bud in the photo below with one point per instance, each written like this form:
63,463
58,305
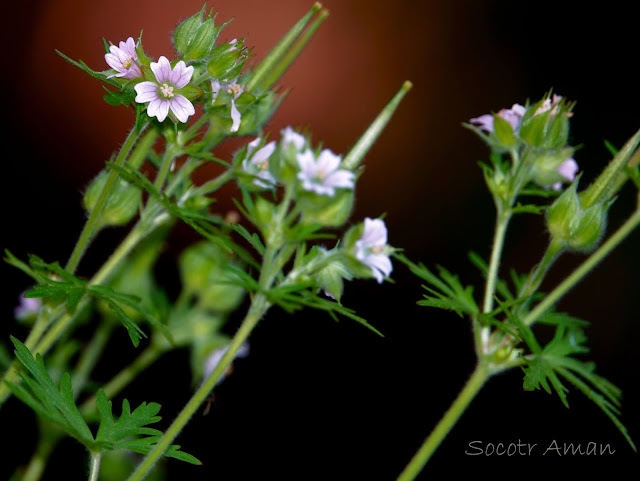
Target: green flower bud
122,202
195,37
204,269
587,227
226,61
562,212
330,278
262,215
546,123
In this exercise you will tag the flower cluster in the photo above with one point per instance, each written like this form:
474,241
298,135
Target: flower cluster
542,126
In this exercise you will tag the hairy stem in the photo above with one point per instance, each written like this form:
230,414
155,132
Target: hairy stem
470,390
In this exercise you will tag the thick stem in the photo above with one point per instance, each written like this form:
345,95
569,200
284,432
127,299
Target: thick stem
473,386
258,307
583,269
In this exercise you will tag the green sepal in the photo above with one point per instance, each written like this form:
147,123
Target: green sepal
190,91
328,211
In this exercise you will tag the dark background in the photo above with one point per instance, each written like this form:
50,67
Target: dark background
318,399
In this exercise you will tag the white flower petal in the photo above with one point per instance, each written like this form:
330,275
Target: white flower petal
147,91
235,117
328,161
375,233
181,74
290,136
161,69
182,108
340,178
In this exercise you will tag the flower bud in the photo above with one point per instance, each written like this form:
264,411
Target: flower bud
122,202
330,279
205,269
587,228
195,37
562,212
226,61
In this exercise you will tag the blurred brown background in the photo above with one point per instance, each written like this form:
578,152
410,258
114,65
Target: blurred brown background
317,399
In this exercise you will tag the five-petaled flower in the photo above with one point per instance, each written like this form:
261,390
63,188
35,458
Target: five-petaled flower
371,249
123,60
257,163
323,175
162,95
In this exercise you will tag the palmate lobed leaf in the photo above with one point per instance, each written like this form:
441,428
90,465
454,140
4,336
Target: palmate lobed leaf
546,368
53,402
445,289
130,431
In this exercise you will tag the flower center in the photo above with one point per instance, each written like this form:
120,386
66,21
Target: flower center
235,90
320,175
127,63
264,165
377,249
166,90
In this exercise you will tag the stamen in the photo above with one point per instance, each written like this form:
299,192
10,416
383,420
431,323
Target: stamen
166,90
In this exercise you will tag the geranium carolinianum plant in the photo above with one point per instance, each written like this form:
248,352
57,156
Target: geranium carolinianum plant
288,252
531,159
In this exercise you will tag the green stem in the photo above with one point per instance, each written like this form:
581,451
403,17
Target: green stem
281,67
502,221
258,307
90,226
214,184
95,466
470,390
583,269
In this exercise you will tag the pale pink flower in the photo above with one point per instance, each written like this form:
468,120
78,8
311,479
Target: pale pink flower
372,247
123,60
568,170
161,94
513,116
323,175
257,163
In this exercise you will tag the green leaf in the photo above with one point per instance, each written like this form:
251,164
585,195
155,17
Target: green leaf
130,431
547,366
445,290
54,403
